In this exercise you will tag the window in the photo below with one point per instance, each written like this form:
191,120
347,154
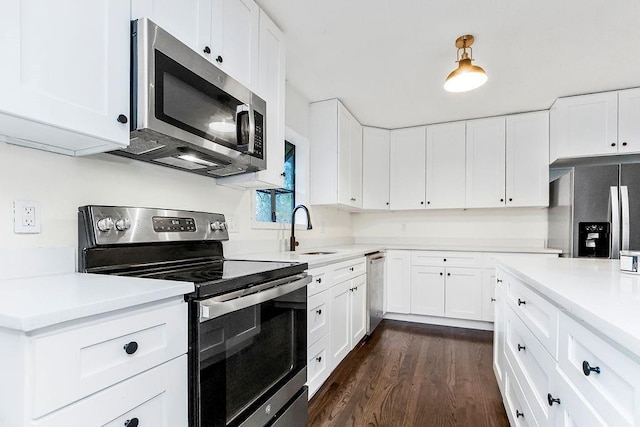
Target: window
277,205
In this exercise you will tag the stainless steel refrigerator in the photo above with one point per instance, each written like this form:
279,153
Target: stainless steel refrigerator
594,211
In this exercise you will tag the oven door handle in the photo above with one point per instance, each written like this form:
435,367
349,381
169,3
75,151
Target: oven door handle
228,303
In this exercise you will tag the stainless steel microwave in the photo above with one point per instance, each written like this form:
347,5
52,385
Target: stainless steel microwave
188,114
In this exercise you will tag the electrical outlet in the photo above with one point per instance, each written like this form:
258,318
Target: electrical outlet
26,216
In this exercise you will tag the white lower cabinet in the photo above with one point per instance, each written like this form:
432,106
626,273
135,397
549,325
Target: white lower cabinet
398,282
463,293
336,317
427,290
100,370
570,377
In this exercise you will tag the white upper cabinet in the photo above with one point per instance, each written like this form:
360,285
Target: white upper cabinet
271,87
180,19
335,155
485,166
597,124
527,179
65,75
629,121
228,35
445,166
407,168
375,168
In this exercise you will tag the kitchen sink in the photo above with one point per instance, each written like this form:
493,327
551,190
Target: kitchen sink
317,253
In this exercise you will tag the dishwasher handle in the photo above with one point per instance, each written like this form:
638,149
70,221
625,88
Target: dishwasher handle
376,260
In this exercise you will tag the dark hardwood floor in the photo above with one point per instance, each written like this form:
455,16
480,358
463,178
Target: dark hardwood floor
409,374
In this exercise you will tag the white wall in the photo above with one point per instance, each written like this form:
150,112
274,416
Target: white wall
517,227
61,184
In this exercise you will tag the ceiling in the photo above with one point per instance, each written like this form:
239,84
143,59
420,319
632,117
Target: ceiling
387,60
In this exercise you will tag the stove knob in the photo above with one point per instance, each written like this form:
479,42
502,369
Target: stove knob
123,224
105,224
223,226
216,226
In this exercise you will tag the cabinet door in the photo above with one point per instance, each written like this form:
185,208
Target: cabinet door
230,31
355,165
398,283
358,321
375,168
463,293
488,294
407,168
340,319
445,167
528,159
427,290
180,19
68,76
585,125
629,121
345,129
485,176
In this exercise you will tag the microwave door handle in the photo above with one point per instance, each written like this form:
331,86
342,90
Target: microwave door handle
624,205
252,130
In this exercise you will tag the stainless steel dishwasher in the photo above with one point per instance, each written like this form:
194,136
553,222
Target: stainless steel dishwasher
375,289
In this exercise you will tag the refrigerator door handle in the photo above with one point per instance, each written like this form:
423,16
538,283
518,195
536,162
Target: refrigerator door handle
614,215
624,205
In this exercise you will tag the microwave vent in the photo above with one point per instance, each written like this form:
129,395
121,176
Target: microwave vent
227,171
180,163
142,146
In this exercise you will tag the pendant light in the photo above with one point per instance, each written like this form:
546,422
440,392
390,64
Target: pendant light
466,77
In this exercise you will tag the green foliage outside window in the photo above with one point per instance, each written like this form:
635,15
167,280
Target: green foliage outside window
277,205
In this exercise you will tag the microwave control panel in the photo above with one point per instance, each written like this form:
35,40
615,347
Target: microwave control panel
258,150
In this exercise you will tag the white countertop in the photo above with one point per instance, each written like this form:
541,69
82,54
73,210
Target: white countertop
31,303
345,252
590,290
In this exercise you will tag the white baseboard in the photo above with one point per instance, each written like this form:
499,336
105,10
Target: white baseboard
441,321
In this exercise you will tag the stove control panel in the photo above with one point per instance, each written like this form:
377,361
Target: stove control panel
106,225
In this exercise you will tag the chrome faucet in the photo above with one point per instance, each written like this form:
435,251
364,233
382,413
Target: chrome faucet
292,240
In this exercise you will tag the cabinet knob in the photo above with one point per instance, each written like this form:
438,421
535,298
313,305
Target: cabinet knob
510,199
613,144
422,203
319,312
448,274
350,268
587,369
552,400
219,59
502,200
283,174
122,119
519,414
131,347
353,199
133,422
521,302
441,273
428,202
521,347
499,280
444,259
319,280
624,144
319,359
387,203
493,300
207,50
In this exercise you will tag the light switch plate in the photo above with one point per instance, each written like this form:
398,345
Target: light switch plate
26,216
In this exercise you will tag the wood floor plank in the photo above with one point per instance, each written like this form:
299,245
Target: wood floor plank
409,374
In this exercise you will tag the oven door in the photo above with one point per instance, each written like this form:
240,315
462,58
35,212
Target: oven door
249,363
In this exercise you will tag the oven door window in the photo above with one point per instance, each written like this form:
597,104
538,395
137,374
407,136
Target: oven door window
246,355
191,103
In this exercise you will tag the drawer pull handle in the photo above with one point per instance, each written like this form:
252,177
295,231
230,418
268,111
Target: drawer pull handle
133,422
499,280
131,348
519,414
319,280
521,347
319,359
552,400
319,312
587,369
521,302
350,268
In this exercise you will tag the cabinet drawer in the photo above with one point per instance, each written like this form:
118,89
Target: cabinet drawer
574,410
446,258
318,366
81,361
538,314
321,280
318,316
348,269
489,258
157,397
516,405
532,365
614,391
